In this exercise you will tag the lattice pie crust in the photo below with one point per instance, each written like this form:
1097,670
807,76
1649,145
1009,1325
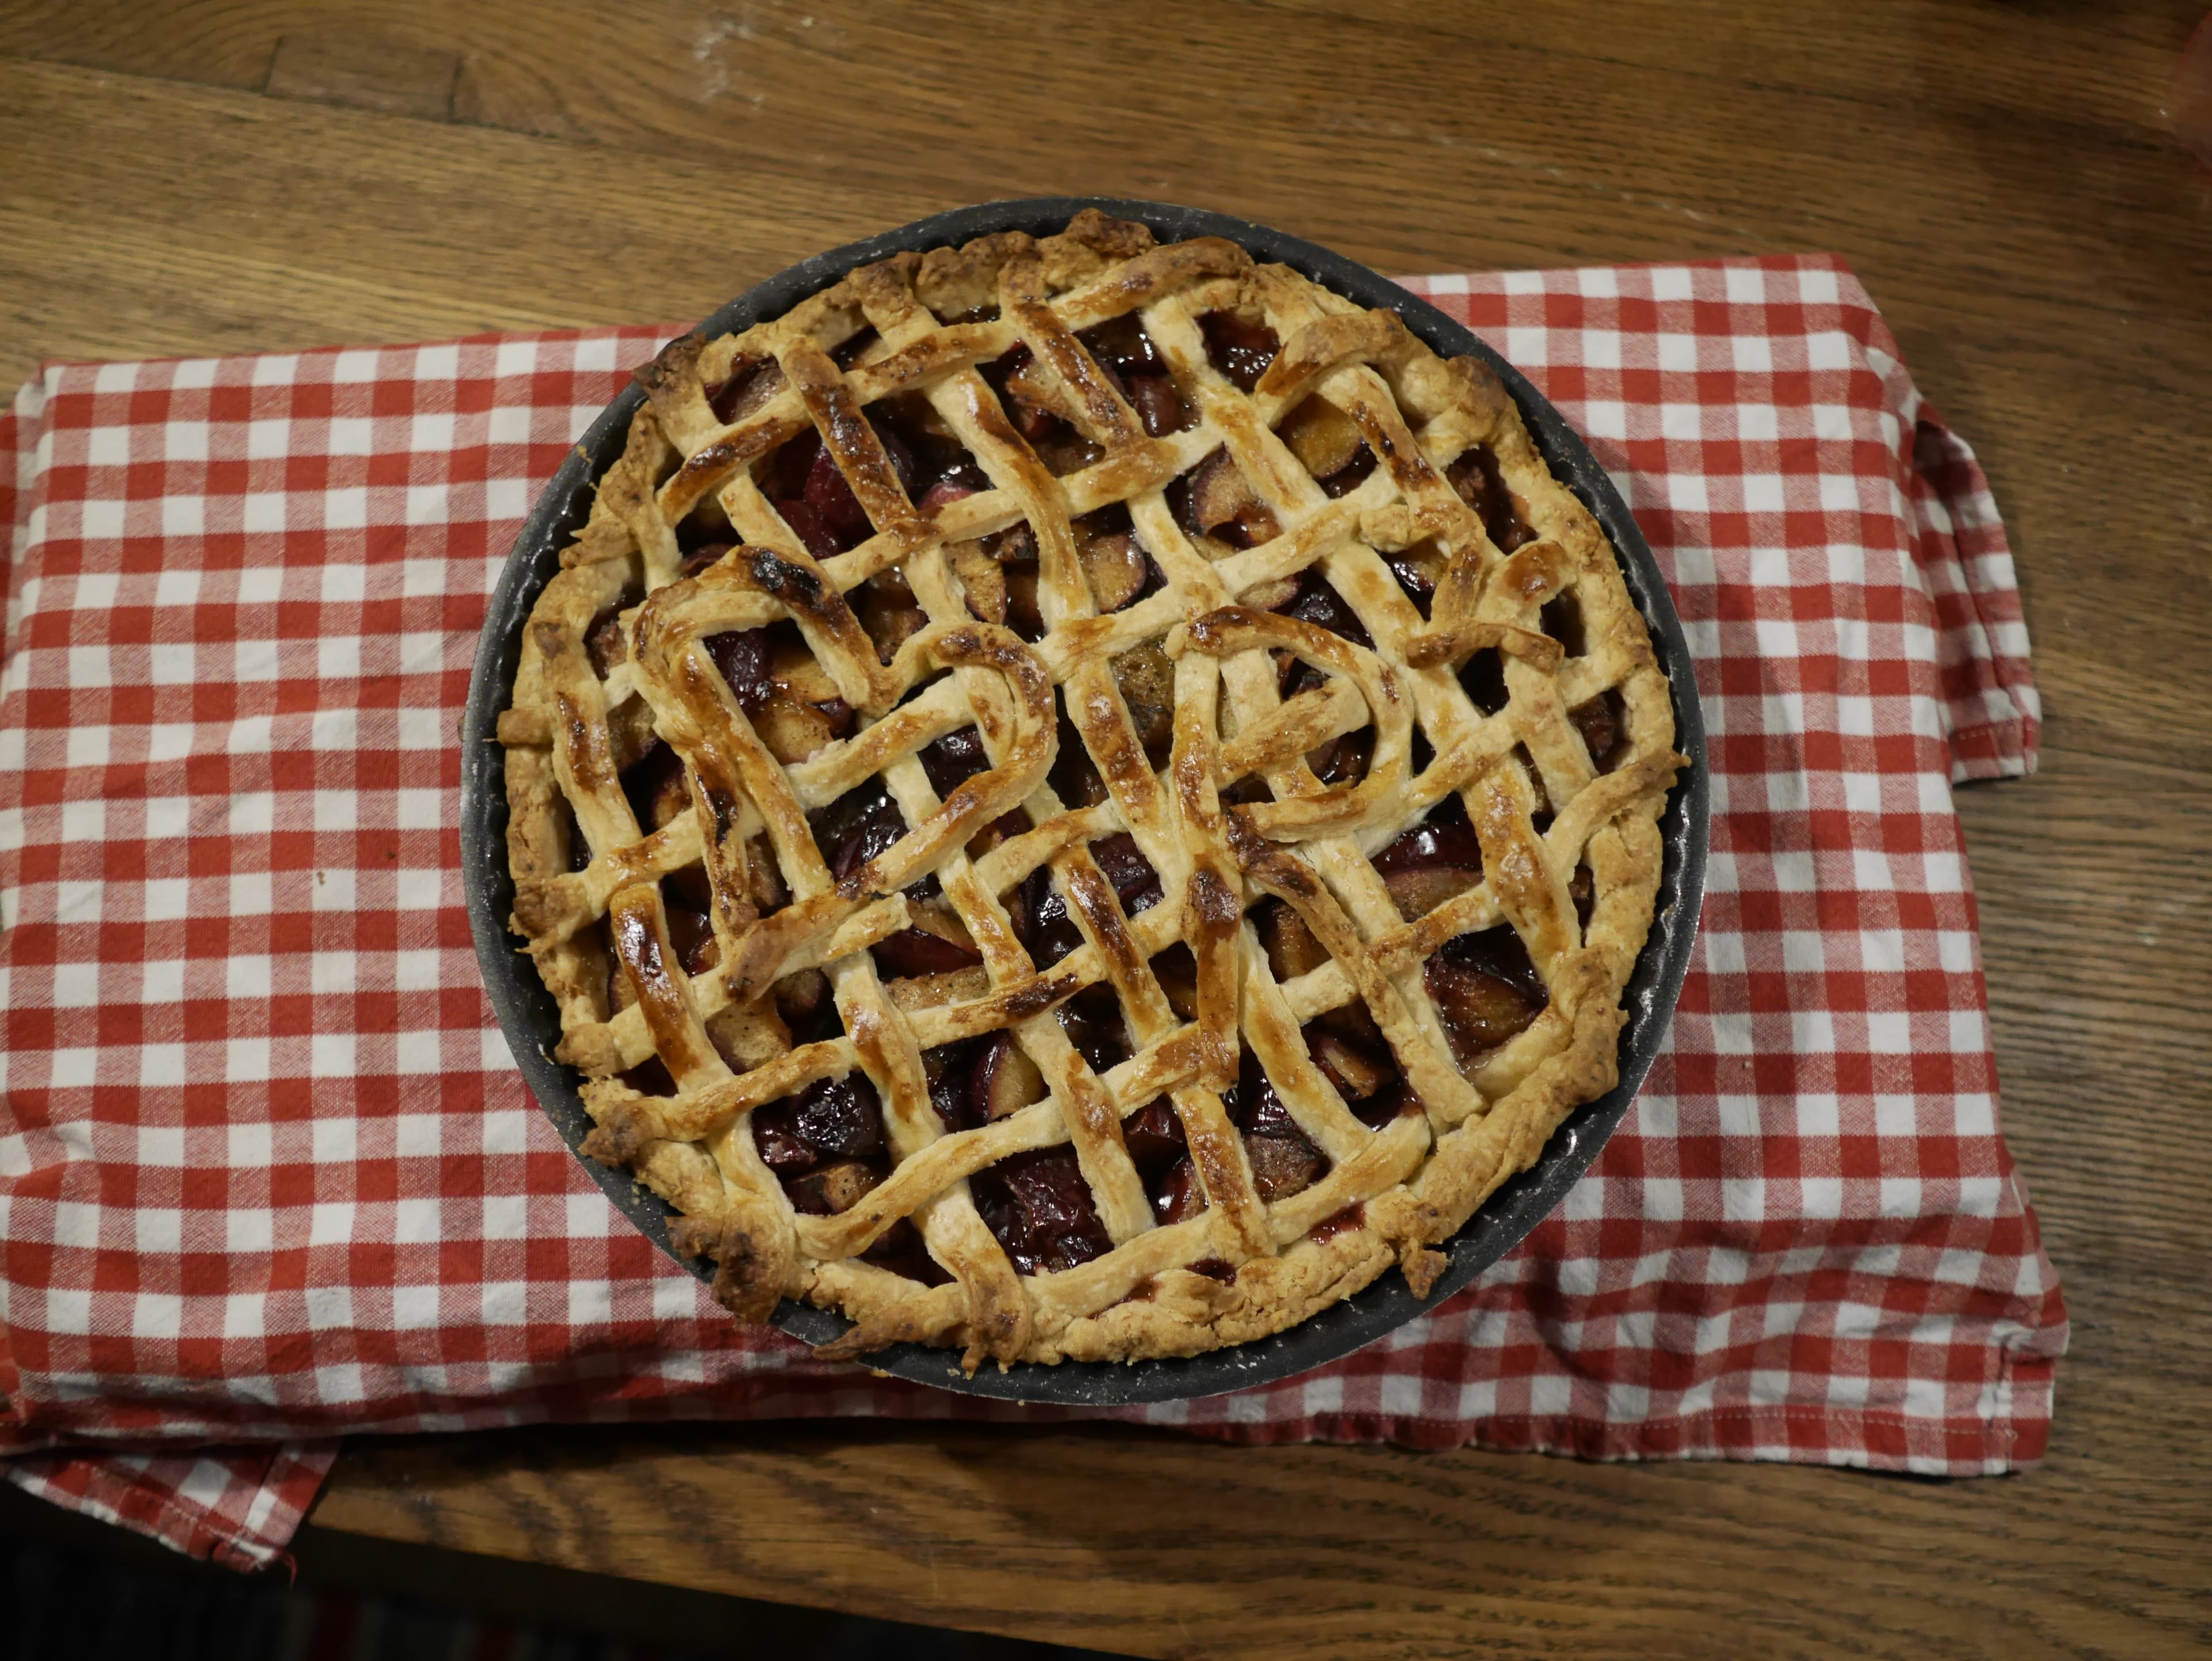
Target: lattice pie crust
1081,799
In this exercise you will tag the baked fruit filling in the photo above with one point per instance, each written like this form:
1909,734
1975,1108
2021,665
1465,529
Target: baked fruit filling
1081,799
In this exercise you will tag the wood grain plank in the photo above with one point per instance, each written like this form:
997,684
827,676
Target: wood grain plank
1410,116
2100,978
345,66
2093,67
108,249
1148,1543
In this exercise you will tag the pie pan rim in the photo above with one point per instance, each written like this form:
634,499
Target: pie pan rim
530,1020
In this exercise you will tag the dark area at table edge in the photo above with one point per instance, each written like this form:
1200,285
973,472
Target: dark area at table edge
528,1018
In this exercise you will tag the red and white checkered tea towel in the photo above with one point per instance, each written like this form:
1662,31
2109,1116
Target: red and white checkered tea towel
267,1175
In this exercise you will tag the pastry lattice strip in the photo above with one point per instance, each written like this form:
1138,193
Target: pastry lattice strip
1309,847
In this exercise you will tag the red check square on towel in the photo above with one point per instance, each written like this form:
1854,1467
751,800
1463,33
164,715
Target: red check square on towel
268,1176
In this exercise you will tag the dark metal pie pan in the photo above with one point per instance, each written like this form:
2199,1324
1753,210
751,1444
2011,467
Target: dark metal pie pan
528,1016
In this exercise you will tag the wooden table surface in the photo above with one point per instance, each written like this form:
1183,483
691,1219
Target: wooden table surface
247,175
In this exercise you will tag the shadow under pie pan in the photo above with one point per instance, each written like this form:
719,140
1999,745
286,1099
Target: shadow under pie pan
531,1020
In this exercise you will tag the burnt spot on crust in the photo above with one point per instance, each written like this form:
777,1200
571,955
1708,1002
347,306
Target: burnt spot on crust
693,1237
615,1140
1034,997
1112,238
990,416
857,888
794,585
1092,895
1422,1267
962,802
675,364
1267,864
1210,632
641,950
1213,899
711,464
746,1278
992,648
1074,367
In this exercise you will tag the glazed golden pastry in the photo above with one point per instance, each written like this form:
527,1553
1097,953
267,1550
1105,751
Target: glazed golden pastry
1081,799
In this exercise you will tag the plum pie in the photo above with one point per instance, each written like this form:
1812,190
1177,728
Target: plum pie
1081,797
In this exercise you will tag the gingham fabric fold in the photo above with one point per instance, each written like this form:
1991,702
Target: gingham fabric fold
267,1176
